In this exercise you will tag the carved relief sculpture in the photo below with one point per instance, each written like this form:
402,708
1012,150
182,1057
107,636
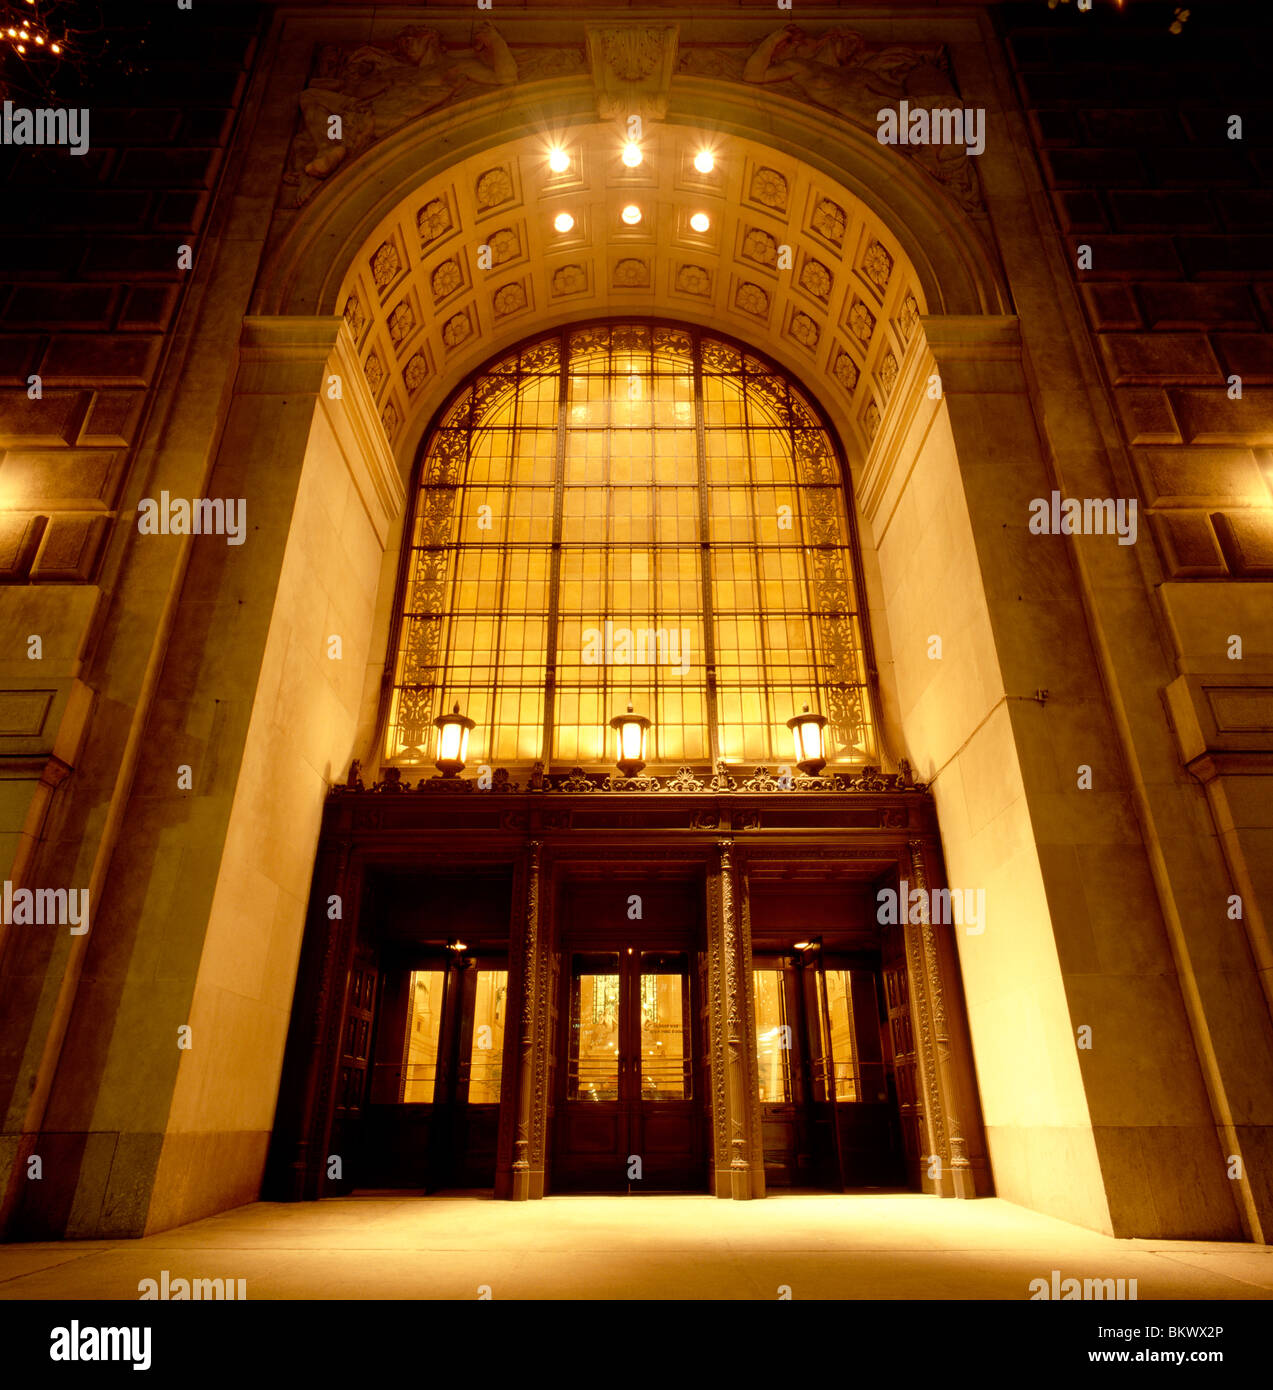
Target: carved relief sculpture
844,74
373,90
632,67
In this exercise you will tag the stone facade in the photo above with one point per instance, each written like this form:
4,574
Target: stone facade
1137,906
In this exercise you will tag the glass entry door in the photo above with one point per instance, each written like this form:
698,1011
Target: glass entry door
433,1117
828,1114
628,1117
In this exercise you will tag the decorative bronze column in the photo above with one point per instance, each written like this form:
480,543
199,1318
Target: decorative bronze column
528,1163
733,1129
942,1107
752,1091
717,1032
542,975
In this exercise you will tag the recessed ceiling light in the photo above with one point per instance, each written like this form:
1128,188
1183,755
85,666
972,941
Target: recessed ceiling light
558,160
563,222
631,214
704,161
632,154
700,221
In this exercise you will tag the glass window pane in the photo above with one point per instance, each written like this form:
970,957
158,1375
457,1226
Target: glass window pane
773,1037
592,1071
487,1053
664,1018
424,1020
843,1052
617,477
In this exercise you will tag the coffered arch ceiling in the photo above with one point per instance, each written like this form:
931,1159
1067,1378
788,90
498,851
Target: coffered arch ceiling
791,261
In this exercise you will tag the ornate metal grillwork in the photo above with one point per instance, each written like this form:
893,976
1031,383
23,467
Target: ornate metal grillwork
630,511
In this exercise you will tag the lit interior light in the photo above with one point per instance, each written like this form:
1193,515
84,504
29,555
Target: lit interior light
806,730
453,741
631,214
558,160
700,221
57,48
563,222
704,161
631,729
632,154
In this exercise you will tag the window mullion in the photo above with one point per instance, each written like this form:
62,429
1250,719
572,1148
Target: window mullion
554,578
705,561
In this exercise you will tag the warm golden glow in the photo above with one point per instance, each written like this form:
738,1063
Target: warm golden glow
700,221
558,160
424,1020
563,222
663,1032
839,1023
487,1049
808,740
453,743
593,1067
582,506
631,214
632,154
773,1038
704,161
632,738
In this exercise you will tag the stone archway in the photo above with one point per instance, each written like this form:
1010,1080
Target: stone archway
944,483
902,459
943,491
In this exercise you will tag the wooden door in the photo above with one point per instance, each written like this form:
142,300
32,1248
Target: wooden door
627,1115
433,1117
355,1064
867,1134
902,1064
470,1161
784,1073
827,1112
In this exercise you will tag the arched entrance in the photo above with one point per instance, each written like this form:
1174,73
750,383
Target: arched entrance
551,983
955,455
978,624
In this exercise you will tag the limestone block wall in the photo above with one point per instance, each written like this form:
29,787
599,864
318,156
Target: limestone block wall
957,678
1155,152
90,285
90,292
1134,128
94,302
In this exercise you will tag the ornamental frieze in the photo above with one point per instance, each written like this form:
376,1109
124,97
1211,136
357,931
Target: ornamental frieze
840,72
359,93
685,780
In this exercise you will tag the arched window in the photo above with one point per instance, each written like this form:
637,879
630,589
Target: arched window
630,513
